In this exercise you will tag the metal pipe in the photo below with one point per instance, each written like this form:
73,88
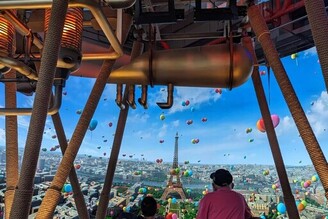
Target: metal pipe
118,100
54,108
92,5
40,4
207,66
19,66
85,56
21,27
130,99
143,100
169,101
287,8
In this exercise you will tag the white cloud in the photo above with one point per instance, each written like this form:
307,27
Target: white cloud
196,96
28,103
286,125
2,137
138,118
162,131
23,121
310,52
176,123
318,114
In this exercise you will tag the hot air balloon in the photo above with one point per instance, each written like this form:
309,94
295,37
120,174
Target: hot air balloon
64,93
79,112
54,136
98,147
187,102
44,149
260,123
68,188
204,119
162,117
189,122
93,124
218,90
110,124
161,141
294,55
281,208
123,155
77,166
248,130
104,153
262,72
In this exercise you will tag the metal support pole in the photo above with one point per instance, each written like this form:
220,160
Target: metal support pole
24,189
272,137
104,196
53,194
77,194
263,35
11,144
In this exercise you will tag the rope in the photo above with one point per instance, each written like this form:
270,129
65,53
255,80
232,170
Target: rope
11,143
318,159
52,195
272,137
48,207
24,206
318,20
9,197
77,194
23,194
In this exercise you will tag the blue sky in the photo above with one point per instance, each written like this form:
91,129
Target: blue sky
228,116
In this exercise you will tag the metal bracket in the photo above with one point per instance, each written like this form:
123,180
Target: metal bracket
213,14
169,101
170,16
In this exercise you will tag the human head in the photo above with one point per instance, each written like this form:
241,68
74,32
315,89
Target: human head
221,177
148,206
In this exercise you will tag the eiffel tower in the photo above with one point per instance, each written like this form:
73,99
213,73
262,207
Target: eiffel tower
174,186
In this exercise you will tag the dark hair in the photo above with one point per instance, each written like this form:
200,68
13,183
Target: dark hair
148,206
222,177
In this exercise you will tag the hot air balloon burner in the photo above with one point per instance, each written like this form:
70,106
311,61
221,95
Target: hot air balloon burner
70,52
119,99
7,32
130,99
143,100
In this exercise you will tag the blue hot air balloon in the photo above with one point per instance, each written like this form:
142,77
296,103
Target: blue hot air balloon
93,124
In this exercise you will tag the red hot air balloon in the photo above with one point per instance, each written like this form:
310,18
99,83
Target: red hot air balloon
218,90
260,123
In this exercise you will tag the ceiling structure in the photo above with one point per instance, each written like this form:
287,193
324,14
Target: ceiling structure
176,33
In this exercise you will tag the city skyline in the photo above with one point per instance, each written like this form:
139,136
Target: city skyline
220,119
